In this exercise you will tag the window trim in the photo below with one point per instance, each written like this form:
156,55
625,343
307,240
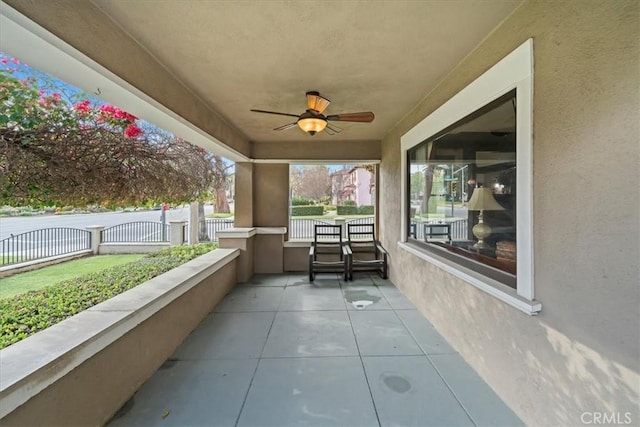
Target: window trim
514,72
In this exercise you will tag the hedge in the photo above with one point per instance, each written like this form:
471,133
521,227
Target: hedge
28,313
366,210
349,203
347,210
301,201
307,210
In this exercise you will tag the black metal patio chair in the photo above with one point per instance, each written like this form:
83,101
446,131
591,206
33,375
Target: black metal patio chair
328,253
367,254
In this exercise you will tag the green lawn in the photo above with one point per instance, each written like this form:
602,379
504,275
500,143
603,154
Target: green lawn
220,215
37,279
331,216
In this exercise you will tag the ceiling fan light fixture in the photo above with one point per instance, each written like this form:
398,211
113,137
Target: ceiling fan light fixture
316,102
312,125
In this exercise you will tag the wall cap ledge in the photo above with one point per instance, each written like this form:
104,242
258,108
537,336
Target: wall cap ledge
297,244
271,230
237,233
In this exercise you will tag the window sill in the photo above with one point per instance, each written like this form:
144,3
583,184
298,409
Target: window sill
485,284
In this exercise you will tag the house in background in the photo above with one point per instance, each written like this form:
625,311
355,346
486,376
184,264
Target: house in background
355,184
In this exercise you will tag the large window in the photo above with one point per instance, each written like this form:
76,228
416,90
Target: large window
462,191
468,183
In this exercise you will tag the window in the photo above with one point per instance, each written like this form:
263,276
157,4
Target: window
479,143
463,174
330,194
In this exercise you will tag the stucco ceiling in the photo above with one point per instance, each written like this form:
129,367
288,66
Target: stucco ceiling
382,56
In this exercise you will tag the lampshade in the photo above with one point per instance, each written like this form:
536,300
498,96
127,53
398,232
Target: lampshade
316,102
312,125
483,200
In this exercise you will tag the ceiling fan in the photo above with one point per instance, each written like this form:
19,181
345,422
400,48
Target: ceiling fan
313,121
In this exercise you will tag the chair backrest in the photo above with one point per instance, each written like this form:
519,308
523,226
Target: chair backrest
361,237
360,233
329,236
437,231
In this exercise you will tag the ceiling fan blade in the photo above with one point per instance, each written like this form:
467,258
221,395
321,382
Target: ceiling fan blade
333,128
286,127
275,112
365,117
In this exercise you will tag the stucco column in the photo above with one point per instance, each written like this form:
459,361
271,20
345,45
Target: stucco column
271,195
243,209
96,237
193,223
176,232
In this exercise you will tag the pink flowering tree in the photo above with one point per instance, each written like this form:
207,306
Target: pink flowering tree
55,150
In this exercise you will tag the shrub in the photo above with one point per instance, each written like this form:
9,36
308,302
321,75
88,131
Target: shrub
301,201
307,210
26,314
366,210
347,210
348,203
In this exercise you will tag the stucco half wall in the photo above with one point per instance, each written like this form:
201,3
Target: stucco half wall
581,354
82,370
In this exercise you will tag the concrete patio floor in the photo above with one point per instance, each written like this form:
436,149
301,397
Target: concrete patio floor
280,351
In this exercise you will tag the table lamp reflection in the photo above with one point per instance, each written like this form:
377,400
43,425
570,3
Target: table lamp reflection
482,200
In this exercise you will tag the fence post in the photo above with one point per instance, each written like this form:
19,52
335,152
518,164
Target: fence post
96,237
176,232
343,223
194,223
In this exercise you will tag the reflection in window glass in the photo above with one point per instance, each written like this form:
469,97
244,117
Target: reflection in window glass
462,191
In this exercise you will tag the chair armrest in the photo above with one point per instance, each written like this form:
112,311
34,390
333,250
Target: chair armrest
380,249
346,250
348,262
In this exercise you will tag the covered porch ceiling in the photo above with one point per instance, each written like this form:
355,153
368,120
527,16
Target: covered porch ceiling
231,57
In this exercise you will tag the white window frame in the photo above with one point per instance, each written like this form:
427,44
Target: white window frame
515,71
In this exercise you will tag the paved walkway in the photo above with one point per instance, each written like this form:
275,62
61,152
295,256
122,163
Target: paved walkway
283,352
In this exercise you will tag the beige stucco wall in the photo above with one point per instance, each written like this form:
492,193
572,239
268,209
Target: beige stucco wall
92,393
268,254
582,352
296,259
310,149
245,260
